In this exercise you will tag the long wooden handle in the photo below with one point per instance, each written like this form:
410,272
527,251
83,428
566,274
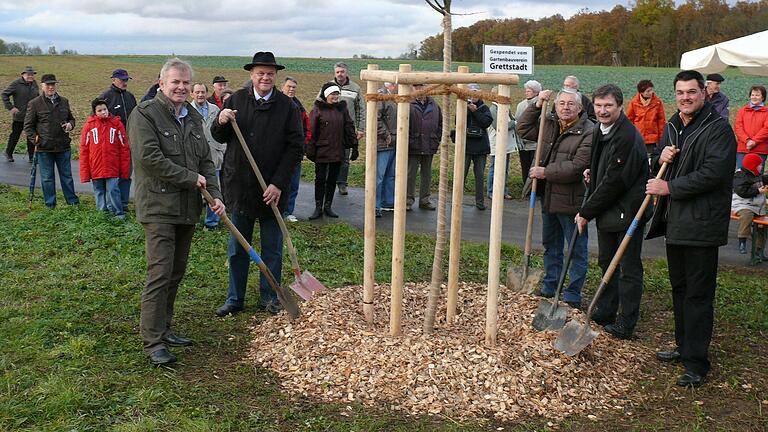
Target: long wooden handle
275,210
532,203
624,243
244,243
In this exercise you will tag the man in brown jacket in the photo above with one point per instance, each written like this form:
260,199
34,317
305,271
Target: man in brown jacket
563,159
172,160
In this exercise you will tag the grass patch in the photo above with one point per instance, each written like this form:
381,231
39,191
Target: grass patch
71,355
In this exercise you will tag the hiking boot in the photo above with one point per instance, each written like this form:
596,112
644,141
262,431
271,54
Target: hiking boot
742,246
427,205
343,190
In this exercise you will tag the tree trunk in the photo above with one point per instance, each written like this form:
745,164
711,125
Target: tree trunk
437,263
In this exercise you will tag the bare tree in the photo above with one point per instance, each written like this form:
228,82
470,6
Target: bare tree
444,8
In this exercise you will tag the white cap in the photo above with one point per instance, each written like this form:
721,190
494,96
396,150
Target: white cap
330,90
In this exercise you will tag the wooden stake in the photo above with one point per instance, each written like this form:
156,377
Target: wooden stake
497,211
398,225
369,258
456,204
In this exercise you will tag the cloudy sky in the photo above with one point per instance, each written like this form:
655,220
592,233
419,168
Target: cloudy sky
290,28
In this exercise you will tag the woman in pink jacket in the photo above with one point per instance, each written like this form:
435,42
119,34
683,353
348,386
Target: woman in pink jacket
752,127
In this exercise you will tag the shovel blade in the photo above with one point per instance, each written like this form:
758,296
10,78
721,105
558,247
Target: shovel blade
306,285
574,337
529,285
550,316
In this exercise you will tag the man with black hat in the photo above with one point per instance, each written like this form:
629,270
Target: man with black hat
47,123
272,128
219,84
23,90
717,98
121,103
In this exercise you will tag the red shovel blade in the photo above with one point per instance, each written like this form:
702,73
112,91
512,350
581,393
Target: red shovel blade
306,286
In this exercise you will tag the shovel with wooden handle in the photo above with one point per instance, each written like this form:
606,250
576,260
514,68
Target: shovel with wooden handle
527,280
576,336
305,285
285,298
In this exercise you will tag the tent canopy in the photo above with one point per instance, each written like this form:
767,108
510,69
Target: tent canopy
748,53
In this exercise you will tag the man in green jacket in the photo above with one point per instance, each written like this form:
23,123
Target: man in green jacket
172,161
22,90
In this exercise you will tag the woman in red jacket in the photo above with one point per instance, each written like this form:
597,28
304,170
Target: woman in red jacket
646,112
105,157
752,127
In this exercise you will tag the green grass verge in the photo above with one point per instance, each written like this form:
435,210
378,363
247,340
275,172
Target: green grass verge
70,353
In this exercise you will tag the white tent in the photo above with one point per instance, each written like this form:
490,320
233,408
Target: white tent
748,53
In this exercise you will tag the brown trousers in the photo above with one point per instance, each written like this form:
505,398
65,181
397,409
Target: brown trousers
745,228
167,252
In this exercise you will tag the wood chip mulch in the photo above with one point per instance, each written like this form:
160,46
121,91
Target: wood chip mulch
330,354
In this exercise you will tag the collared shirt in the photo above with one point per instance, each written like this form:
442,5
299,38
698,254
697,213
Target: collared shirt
258,96
753,106
182,113
202,109
564,126
606,129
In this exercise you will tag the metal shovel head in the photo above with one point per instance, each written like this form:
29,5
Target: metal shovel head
574,337
288,302
306,286
532,281
550,315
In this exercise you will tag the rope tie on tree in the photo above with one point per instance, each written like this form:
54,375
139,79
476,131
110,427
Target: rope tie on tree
438,89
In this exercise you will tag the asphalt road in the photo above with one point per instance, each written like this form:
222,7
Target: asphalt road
475,223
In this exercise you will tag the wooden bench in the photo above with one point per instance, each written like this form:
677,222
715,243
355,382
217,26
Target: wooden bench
757,222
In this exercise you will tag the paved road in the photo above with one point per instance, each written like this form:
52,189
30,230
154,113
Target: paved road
475,223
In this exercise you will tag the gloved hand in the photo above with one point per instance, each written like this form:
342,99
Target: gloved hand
355,154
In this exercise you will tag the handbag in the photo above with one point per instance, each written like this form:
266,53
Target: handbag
474,132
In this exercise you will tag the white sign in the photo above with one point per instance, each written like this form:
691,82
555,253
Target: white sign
507,59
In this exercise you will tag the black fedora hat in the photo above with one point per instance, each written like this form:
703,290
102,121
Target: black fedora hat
263,58
49,79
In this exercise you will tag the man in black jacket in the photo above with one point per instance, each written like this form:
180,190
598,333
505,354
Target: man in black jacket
272,128
22,90
693,213
617,176
121,103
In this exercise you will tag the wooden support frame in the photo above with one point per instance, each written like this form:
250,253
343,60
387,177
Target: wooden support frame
369,248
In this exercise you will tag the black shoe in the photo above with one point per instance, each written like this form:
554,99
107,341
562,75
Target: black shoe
542,294
174,340
742,246
228,309
329,212
162,357
378,213
573,304
316,214
618,331
8,158
274,308
343,190
690,379
480,206
668,356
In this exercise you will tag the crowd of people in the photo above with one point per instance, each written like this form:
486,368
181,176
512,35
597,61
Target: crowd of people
597,162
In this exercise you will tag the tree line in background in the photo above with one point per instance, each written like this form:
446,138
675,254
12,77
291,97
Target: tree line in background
653,33
23,48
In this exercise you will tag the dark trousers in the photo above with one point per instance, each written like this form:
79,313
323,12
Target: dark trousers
422,163
526,160
167,252
326,174
478,162
16,128
620,300
693,276
343,173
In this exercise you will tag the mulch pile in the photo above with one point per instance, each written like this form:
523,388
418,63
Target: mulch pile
330,354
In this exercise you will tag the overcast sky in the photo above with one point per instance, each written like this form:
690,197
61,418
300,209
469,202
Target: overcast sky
290,28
